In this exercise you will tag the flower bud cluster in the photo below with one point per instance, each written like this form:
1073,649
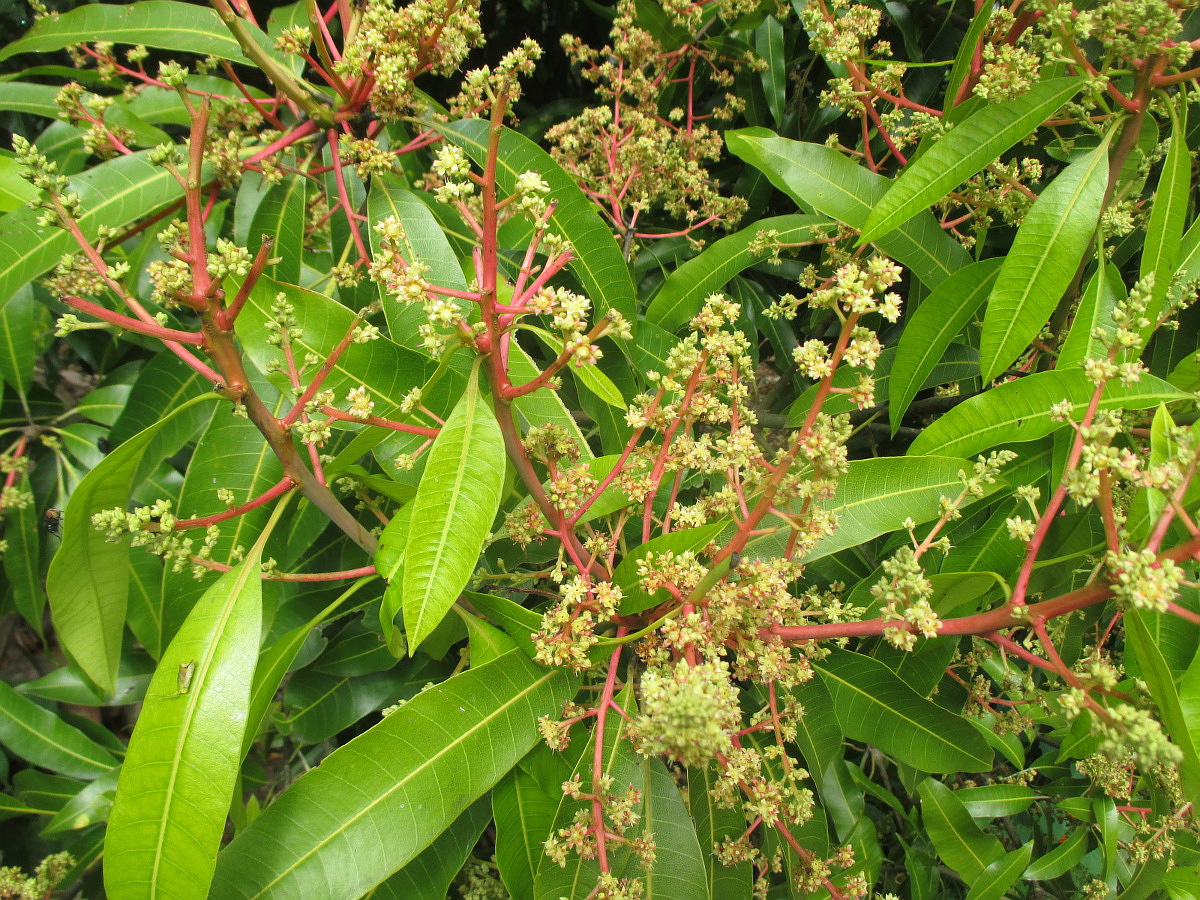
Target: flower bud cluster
568,629
1141,581
689,712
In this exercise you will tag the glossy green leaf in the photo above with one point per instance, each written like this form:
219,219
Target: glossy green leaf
543,406
964,151
598,262
518,622
487,642
428,876
456,501
715,824
89,576
36,734
389,562
930,329
961,844
162,24
185,752
15,191
113,194
684,290
1020,410
875,706
27,97
283,216
1061,859
991,800
66,685
524,819
769,42
1100,297
1001,874
1042,261
625,576
24,331
22,559
819,177
320,705
1160,679
89,806
375,803
1164,230
589,377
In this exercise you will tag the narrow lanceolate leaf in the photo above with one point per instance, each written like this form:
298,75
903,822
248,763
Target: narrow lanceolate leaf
378,801
37,735
89,576
875,706
1061,859
818,177
1020,410
961,844
931,328
1164,230
1001,874
186,750
282,215
162,24
768,40
1100,297
714,825
524,818
428,876
456,501
683,292
1044,257
598,262
113,194
965,150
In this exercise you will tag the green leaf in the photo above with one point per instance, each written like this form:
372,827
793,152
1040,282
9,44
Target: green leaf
1061,860
589,376
625,576
113,194
991,800
965,150
456,501
375,803
768,41
819,177
598,262
89,576
428,876
1001,874
524,819
715,824
1100,297
684,290
1164,230
1043,260
22,559
15,191
185,752
875,497
875,706
1160,680
930,329
163,24
518,622
23,323
544,406
1020,410
89,806
36,734
282,215
961,844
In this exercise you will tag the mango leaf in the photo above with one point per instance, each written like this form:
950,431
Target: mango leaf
185,752
769,42
684,290
1062,859
1164,230
875,497
22,560
1042,261
282,215
1001,874
598,262
931,328
428,876
411,775
875,706
524,819
961,844
89,576
162,24
819,177
1100,297
518,622
1161,682
991,800
456,501
1020,410
543,406
37,735
965,150
113,194
715,824
23,322
589,376
625,576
